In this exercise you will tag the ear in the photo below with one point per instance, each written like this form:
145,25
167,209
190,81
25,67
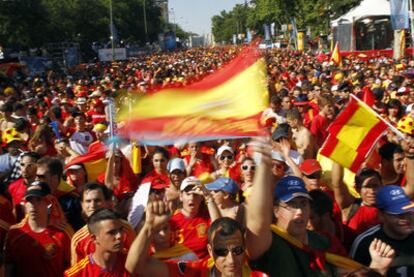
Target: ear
93,237
210,250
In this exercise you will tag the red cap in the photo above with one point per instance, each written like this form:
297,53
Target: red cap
158,183
310,166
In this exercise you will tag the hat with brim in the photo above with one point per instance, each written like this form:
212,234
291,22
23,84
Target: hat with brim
37,189
290,187
189,181
392,199
224,184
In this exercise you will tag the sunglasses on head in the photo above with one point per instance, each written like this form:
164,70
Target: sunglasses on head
315,175
229,157
246,167
223,252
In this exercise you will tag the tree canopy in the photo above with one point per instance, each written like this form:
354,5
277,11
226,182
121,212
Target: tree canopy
253,14
32,23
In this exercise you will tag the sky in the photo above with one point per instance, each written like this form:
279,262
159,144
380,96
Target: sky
195,15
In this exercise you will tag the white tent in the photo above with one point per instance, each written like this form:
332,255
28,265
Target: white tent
365,9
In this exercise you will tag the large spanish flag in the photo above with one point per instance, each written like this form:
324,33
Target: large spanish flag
353,135
226,104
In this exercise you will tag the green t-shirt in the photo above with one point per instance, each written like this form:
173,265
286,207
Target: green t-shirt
284,259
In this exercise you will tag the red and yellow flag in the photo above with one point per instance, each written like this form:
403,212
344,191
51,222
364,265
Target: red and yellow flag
226,104
336,55
94,162
353,135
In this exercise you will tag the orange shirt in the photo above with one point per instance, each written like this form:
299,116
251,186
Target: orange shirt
82,244
37,254
87,267
191,232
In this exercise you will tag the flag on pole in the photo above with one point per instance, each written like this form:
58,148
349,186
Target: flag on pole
226,104
336,55
353,135
94,162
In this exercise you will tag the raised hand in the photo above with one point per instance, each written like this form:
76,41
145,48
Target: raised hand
381,255
157,214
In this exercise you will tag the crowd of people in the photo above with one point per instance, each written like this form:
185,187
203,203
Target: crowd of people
263,206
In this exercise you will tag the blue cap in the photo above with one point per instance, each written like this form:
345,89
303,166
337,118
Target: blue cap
224,184
392,200
174,164
290,187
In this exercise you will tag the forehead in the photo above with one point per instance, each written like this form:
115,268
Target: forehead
108,225
27,159
41,168
234,239
226,152
94,193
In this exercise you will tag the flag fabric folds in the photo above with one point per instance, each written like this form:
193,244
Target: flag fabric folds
336,55
226,104
94,162
353,135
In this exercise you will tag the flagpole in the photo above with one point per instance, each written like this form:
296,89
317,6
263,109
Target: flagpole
395,130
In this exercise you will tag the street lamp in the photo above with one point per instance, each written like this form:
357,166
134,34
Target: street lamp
145,21
111,22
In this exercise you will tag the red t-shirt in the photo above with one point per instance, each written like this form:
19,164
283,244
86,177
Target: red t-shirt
96,117
17,190
319,128
192,232
37,254
87,267
365,218
154,175
83,245
188,268
201,166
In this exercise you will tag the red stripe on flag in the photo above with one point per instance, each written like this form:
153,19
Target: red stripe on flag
329,146
343,118
367,143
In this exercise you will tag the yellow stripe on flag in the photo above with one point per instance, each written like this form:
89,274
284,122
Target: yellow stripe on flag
95,168
344,153
218,102
357,128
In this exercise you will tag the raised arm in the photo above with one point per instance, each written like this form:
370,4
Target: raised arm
138,261
342,195
260,205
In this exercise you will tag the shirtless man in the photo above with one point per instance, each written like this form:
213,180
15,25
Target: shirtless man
301,135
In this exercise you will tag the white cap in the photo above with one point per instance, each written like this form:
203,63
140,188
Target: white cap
96,93
334,88
175,164
277,156
81,100
74,167
222,149
190,181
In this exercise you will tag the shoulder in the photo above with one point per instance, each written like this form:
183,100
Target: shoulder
78,267
80,234
63,227
363,239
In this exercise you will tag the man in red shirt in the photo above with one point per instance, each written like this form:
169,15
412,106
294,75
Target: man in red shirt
34,247
95,196
225,248
109,258
190,223
320,123
18,188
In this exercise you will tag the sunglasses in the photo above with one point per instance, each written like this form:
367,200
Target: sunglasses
246,167
316,175
223,252
230,157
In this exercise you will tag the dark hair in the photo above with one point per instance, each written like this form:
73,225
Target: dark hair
294,114
388,150
96,186
224,226
7,107
54,166
364,174
362,272
275,100
33,155
18,106
321,203
162,151
101,215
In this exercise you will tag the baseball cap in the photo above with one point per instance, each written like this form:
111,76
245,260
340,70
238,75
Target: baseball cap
189,181
96,93
10,135
100,127
37,189
282,131
310,166
81,100
301,100
74,167
224,184
392,200
290,187
222,149
175,164
277,156
406,125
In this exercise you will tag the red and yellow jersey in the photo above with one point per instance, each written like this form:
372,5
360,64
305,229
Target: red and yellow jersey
82,244
191,232
87,267
37,254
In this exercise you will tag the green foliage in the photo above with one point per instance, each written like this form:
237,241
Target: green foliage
34,23
308,13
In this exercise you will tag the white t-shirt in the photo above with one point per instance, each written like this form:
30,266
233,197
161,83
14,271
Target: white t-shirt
80,141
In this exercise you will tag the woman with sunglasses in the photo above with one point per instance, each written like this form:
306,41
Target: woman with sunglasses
248,168
227,166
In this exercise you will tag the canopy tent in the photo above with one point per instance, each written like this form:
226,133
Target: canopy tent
366,8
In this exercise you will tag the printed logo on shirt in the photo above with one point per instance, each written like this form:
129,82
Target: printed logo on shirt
50,250
201,230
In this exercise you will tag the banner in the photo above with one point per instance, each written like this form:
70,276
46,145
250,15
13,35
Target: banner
266,30
399,14
226,104
105,55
